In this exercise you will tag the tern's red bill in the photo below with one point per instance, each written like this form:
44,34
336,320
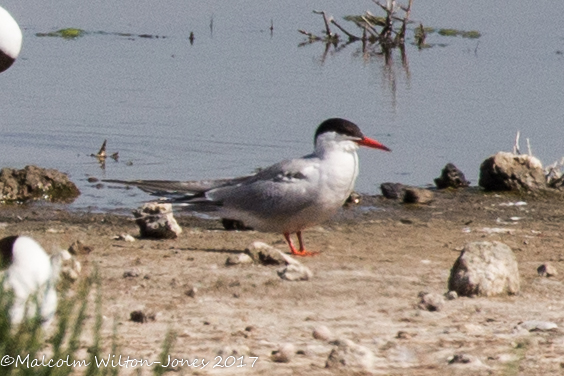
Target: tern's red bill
365,141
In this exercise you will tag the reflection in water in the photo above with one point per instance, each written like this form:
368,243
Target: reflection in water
381,35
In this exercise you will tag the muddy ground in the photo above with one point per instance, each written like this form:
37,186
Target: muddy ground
375,258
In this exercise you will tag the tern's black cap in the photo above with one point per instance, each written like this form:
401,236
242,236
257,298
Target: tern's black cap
340,126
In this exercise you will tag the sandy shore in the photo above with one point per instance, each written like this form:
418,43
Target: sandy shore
375,259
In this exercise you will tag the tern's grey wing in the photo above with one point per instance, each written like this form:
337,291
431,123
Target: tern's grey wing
178,188
279,190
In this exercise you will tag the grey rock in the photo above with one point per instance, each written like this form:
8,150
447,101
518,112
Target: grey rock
486,269
156,221
512,172
451,177
394,191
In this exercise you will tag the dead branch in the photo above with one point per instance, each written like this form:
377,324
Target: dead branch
351,36
327,29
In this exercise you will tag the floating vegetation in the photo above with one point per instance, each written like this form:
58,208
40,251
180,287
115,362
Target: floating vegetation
74,33
472,34
68,33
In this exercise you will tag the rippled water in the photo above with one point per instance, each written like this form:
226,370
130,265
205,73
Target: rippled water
242,97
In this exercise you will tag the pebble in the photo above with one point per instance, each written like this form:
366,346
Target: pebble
284,354
536,325
295,272
547,270
322,333
240,258
430,302
347,354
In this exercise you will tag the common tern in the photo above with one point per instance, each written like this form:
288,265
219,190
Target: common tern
31,275
286,197
10,40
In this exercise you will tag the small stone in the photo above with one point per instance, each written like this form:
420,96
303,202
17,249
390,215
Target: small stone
284,354
125,237
347,354
547,270
417,196
295,272
156,221
191,292
461,358
430,302
451,177
131,273
354,199
79,248
265,254
240,258
451,295
322,333
140,317
393,191
537,326
403,335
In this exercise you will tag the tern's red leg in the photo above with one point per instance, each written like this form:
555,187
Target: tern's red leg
301,251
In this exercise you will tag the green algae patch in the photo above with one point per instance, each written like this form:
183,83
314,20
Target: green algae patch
472,34
68,33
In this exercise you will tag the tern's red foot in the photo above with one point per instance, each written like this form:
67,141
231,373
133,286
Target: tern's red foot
303,253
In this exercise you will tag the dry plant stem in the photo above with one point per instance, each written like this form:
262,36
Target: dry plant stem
327,29
351,37
309,35
370,28
516,145
381,6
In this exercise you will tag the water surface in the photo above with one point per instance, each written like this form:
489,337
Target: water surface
242,97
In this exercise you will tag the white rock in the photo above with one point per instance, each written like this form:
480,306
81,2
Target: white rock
155,220
486,269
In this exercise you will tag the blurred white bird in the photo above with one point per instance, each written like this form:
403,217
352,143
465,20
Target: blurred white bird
10,40
286,197
32,276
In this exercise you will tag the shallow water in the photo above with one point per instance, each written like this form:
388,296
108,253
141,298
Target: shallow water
242,97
